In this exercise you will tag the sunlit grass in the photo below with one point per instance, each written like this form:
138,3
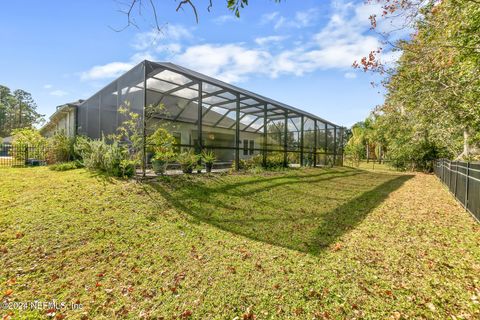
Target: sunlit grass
302,244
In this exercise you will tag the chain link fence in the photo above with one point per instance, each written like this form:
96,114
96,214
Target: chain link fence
463,181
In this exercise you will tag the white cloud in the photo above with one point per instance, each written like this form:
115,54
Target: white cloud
230,62
305,18
58,93
148,45
154,38
301,19
225,18
350,75
109,70
268,17
269,39
48,86
343,39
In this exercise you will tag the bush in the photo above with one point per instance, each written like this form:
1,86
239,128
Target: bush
112,159
60,148
28,143
188,161
64,166
274,161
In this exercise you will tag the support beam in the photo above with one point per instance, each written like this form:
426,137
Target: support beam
237,134
315,143
248,126
144,138
180,113
253,106
302,125
264,125
230,101
207,111
186,85
223,117
293,122
243,116
260,111
209,95
200,118
166,81
285,144
326,143
341,143
265,132
334,145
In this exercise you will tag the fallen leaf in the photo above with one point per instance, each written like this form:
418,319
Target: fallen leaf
248,315
337,247
186,314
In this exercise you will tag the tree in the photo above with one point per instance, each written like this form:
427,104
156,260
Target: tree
17,110
433,93
133,8
355,147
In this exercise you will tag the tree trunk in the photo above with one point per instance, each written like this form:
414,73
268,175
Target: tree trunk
368,152
466,145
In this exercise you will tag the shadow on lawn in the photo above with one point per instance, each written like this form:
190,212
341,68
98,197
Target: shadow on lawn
304,212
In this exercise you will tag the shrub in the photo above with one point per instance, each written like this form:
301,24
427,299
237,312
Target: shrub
274,161
188,161
64,166
60,148
92,154
28,143
112,159
161,141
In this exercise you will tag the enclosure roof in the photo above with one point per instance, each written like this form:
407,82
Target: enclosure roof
193,74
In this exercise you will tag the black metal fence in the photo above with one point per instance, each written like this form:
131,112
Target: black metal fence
463,181
23,155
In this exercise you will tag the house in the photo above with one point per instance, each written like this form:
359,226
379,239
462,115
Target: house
63,119
202,112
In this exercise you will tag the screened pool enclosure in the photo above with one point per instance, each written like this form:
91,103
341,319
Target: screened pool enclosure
203,113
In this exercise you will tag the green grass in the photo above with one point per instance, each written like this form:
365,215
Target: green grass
371,165
314,243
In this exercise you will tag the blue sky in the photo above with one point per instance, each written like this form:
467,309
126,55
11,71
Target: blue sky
298,52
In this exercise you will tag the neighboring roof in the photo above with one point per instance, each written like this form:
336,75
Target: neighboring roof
61,110
219,83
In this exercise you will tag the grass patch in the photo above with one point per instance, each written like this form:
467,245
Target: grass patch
310,243
65,166
371,165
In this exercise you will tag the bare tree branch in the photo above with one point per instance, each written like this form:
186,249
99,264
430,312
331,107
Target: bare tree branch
183,2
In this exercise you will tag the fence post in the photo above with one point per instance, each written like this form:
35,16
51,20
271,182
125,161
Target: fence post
449,173
26,155
443,170
467,184
456,179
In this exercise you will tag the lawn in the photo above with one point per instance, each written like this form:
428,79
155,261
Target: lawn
303,244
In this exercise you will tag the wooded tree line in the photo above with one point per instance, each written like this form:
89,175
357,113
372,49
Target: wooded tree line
432,105
17,110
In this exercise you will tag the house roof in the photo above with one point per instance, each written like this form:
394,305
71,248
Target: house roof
59,112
